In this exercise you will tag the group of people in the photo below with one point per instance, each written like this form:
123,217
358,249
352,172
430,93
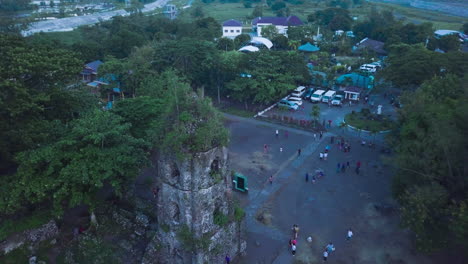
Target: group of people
293,240
329,248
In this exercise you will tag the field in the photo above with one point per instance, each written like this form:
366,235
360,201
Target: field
225,11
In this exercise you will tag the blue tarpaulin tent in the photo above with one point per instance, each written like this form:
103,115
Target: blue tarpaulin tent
357,80
308,48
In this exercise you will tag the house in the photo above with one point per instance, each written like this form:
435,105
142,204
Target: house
170,11
90,70
370,45
281,24
353,93
232,28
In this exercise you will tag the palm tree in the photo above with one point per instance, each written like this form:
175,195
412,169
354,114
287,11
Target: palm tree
294,44
315,114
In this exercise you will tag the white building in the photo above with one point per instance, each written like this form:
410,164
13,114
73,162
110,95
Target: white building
281,23
232,28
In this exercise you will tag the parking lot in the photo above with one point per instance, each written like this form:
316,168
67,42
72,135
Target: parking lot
335,113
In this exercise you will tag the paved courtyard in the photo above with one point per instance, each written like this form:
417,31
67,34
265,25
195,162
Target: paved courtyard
324,210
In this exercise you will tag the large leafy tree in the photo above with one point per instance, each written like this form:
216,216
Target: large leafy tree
32,80
192,58
411,65
272,75
432,188
95,150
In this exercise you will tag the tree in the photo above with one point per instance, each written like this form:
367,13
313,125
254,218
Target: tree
465,28
411,65
273,75
225,44
432,188
269,31
294,44
315,114
258,11
340,23
96,150
197,12
241,40
192,58
31,80
449,43
280,42
278,5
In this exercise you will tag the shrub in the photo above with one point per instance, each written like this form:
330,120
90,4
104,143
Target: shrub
219,218
35,220
239,213
165,227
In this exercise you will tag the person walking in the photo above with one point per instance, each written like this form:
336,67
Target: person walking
325,155
347,164
293,250
307,177
350,234
321,134
315,136
343,168
325,255
298,152
271,179
265,148
321,155
313,179
329,123
338,167
358,167
228,259
277,133
330,247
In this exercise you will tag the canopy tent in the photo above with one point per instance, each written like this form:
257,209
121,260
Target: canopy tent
308,48
355,79
249,49
260,40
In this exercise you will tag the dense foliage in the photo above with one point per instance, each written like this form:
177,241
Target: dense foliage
432,150
411,65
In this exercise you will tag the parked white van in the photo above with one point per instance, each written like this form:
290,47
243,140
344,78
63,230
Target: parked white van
317,96
328,96
299,91
369,67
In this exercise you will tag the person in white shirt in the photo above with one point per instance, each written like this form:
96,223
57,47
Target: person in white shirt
350,234
293,249
325,255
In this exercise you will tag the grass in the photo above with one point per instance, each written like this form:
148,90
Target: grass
9,227
365,120
225,11
417,15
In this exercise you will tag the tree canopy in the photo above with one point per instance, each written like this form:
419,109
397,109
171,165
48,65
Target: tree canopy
432,189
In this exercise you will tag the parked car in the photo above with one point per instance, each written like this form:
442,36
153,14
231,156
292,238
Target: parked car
295,100
328,96
317,96
337,100
288,105
299,91
308,93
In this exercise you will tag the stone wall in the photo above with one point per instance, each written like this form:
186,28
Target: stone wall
32,237
189,193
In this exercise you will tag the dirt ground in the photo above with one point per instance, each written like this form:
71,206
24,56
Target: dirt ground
324,210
